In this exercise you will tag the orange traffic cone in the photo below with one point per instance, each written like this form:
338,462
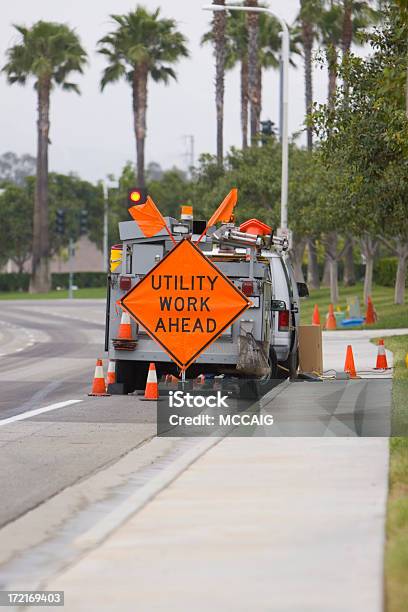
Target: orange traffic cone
170,379
316,315
152,389
371,316
331,319
125,327
349,364
382,363
111,374
98,385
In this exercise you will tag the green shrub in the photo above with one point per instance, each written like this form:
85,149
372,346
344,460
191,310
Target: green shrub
385,272
83,280
14,282
20,282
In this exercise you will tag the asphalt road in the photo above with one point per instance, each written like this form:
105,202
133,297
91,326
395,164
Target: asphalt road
74,473
48,352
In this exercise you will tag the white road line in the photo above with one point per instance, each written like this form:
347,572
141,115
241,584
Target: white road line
31,413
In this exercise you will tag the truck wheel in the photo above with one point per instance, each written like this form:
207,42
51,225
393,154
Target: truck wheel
132,374
292,364
273,360
248,389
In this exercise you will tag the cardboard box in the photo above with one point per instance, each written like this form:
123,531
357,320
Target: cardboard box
310,349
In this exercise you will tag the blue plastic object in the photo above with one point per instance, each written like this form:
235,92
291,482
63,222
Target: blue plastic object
352,322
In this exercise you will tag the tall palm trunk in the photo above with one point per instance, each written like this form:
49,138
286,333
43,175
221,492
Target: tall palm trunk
307,40
220,20
258,97
244,101
139,91
347,33
253,59
40,279
331,54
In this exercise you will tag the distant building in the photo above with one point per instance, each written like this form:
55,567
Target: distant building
88,258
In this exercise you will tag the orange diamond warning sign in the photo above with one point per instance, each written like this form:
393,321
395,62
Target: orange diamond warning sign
184,303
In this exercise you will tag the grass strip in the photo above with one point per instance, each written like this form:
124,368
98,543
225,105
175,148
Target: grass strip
396,552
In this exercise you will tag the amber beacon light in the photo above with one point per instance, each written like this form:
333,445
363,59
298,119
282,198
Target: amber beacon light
137,196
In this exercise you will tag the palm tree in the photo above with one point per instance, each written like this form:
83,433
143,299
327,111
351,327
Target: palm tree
253,68
143,45
357,16
217,37
219,25
307,21
235,51
269,46
48,52
331,28
340,24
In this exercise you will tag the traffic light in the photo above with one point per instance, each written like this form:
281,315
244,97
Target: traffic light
137,196
267,129
83,222
60,222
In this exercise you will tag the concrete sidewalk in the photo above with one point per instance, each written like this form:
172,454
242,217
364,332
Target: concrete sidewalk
365,353
256,524
266,524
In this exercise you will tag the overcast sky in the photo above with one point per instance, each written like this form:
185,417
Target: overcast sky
92,134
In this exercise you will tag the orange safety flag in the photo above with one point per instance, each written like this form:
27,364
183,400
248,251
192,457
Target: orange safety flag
224,212
148,217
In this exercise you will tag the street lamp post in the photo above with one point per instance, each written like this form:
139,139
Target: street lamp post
107,184
285,97
105,226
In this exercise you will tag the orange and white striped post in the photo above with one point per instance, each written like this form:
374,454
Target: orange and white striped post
152,388
125,327
349,365
316,315
111,373
98,385
382,363
331,318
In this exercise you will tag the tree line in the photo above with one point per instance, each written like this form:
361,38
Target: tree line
144,45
